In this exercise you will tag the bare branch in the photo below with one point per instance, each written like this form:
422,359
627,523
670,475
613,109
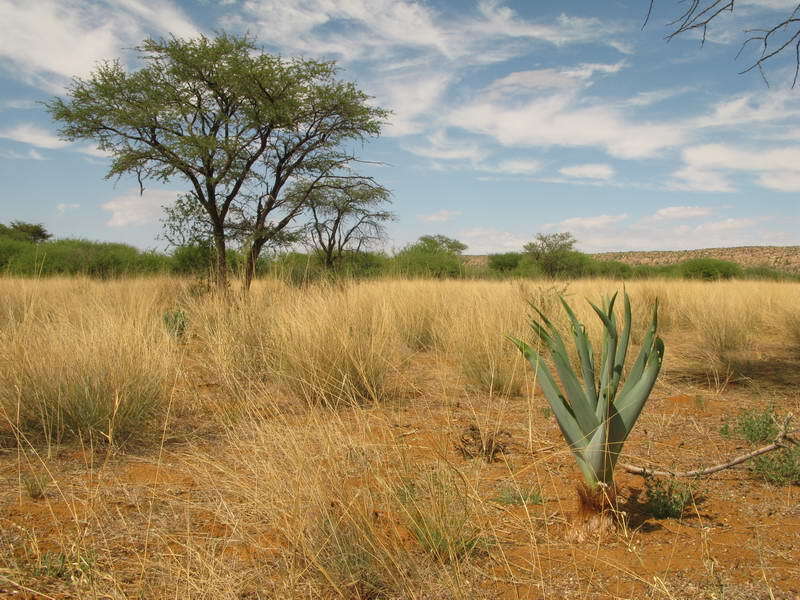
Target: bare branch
783,440
699,14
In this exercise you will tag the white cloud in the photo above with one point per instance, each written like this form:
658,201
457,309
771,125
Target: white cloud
376,29
63,208
440,216
748,109
543,114
28,133
135,209
681,212
410,95
18,104
162,16
589,171
781,182
666,235
46,42
408,53
705,167
525,82
441,147
583,223
655,96
789,5
517,167
31,154
487,240
94,151
692,179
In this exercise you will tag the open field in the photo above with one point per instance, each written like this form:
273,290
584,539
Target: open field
319,442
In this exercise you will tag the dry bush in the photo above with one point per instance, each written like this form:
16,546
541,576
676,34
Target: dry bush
338,346
418,310
86,361
475,335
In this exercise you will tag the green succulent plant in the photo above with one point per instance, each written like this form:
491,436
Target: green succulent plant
595,410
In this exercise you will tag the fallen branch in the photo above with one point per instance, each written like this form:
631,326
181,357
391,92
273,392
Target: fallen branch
783,440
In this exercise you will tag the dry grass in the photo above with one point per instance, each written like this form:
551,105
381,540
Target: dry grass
325,420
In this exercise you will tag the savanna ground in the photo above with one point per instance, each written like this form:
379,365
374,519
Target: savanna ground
327,441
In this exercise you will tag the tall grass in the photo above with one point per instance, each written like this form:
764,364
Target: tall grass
79,359
316,483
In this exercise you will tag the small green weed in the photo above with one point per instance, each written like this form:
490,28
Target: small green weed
666,499
518,497
756,426
176,322
67,567
440,515
347,556
35,484
779,468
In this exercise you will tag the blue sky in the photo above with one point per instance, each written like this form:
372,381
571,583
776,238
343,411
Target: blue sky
509,118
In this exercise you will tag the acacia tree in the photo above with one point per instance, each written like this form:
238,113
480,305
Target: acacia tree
26,232
234,123
347,214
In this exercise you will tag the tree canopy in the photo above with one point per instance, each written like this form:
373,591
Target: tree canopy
348,215
234,123
440,243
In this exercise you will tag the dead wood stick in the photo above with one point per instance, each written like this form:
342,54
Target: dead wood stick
783,440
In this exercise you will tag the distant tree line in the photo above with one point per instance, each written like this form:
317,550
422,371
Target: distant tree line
27,249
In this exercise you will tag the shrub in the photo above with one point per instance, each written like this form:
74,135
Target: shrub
101,381
612,269
176,322
439,512
528,268
768,274
779,468
504,263
666,499
198,259
709,269
755,426
10,249
415,261
81,257
517,496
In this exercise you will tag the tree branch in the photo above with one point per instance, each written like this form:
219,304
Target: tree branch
783,440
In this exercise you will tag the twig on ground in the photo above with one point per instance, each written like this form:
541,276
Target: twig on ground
783,440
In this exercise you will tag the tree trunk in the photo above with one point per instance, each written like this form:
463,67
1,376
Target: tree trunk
221,260
250,263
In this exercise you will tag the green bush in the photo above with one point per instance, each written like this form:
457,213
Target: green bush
528,268
198,259
506,262
779,468
10,249
755,426
420,262
79,257
362,264
612,269
768,274
567,264
666,499
709,269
